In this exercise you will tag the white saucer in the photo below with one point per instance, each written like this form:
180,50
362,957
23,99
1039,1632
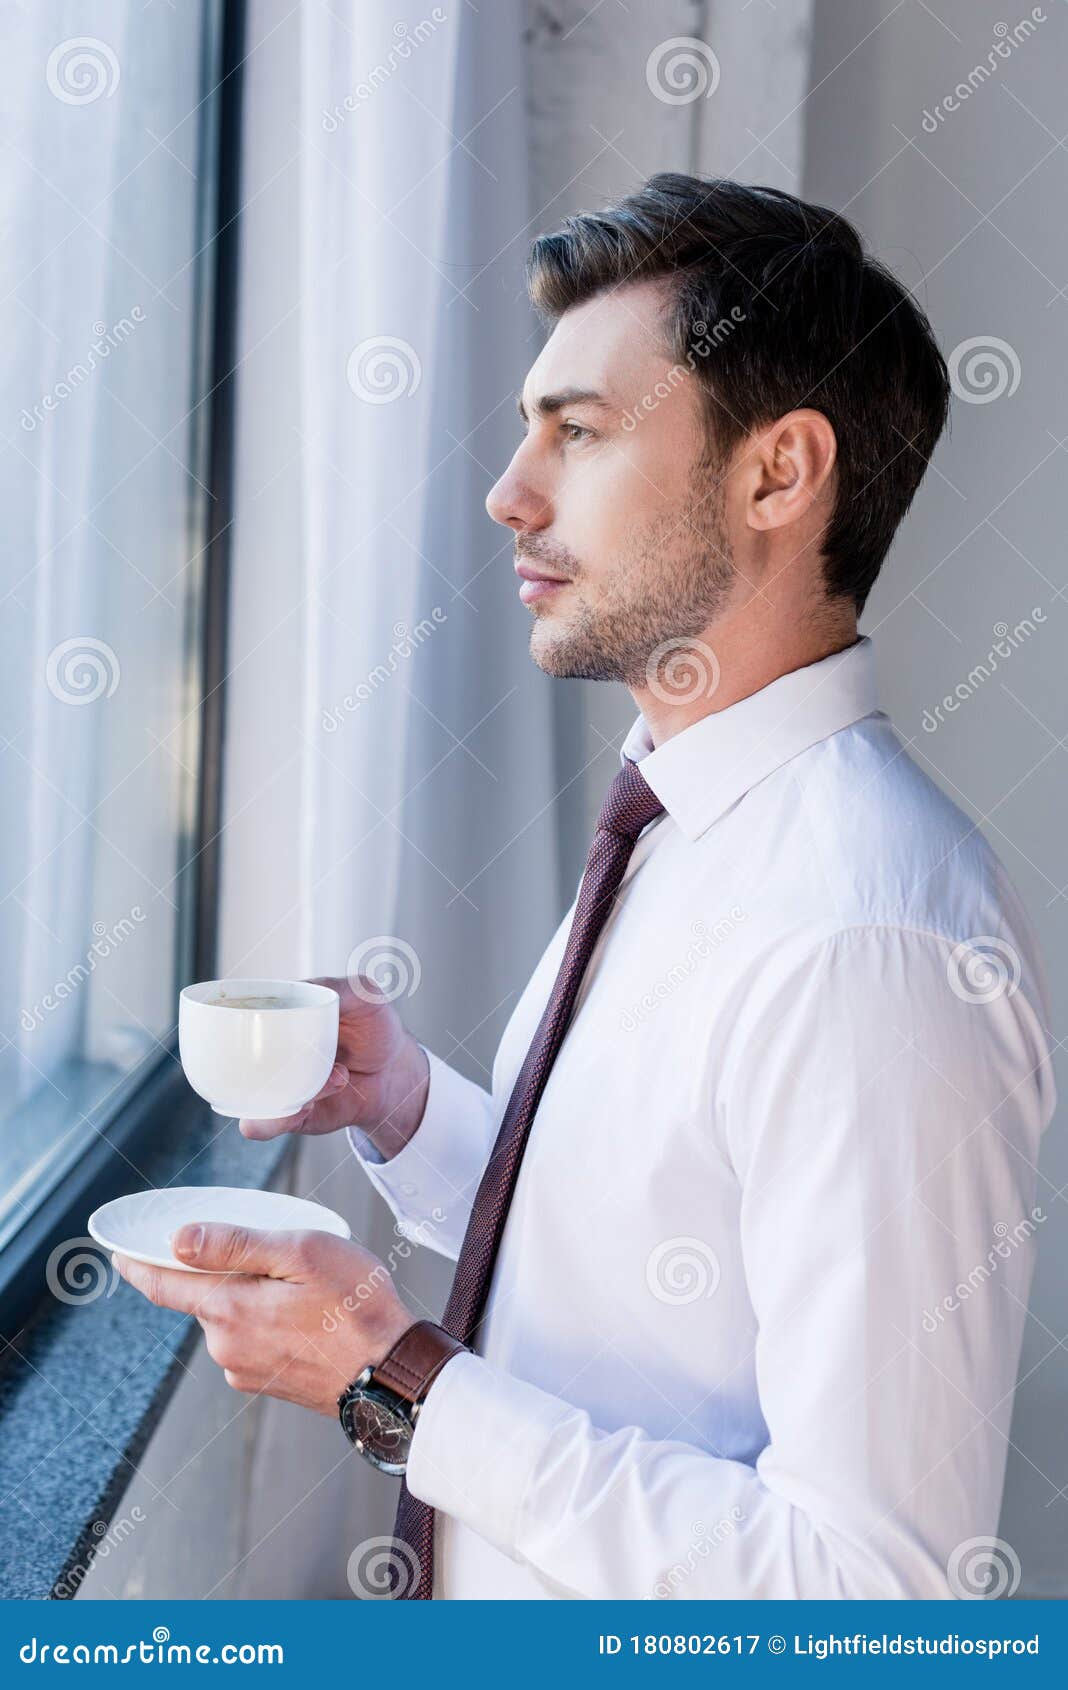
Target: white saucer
141,1225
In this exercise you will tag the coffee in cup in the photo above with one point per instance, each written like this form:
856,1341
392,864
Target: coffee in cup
224,1001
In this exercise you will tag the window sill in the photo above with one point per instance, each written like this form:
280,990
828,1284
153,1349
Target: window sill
83,1386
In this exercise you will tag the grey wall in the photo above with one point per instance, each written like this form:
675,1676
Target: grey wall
972,217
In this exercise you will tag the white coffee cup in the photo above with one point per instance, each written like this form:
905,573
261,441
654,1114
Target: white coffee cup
263,1061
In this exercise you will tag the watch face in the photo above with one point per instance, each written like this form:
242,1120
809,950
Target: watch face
378,1424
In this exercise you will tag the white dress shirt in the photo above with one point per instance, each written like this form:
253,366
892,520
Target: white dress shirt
756,1319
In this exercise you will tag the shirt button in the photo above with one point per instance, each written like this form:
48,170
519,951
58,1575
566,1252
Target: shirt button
407,1189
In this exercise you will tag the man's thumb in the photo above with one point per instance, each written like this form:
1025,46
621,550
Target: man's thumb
217,1247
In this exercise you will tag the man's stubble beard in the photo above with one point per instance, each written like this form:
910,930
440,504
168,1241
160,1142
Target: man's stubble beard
669,585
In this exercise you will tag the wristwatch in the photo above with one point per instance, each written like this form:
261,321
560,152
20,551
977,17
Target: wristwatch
379,1409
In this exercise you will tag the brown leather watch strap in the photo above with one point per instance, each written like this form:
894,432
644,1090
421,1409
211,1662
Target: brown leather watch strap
417,1356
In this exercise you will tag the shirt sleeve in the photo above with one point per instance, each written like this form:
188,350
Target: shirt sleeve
883,1119
430,1184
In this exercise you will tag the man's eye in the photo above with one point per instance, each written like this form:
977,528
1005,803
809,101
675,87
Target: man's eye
575,431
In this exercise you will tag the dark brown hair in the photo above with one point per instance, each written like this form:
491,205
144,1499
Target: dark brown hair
774,304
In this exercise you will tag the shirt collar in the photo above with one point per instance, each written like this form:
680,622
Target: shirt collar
701,772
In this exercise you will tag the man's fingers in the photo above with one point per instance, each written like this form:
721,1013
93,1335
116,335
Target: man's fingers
358,994
360,997
169,1288
336,1081
271,1129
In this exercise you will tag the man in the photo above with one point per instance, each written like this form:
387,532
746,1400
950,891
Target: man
733,1314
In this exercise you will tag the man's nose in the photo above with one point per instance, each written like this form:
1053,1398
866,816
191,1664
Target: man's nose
514,503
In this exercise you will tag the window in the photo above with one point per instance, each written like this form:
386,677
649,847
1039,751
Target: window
115,533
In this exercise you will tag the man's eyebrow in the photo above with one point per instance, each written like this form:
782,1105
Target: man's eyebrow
550,403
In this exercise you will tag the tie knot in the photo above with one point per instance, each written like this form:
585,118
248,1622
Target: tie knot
630,803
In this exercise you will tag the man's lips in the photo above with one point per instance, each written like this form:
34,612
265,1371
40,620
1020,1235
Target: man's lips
536,583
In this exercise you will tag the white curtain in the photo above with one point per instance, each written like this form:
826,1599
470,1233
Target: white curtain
427,743
423,771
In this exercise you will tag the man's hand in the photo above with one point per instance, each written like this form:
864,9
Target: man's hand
295,1315
379,1081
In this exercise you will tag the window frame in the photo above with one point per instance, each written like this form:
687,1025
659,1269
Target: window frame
162,1101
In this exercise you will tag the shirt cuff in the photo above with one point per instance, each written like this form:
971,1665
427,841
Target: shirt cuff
428,1183
478,1440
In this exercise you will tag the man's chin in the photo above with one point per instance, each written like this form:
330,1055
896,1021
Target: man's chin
567,655
549,647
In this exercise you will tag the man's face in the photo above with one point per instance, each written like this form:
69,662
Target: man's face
620,540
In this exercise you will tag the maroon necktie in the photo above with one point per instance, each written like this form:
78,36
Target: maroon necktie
628,808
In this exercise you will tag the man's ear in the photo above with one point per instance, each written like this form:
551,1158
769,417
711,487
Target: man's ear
791,465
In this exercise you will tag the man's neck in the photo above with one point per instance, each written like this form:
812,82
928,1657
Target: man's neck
724,665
